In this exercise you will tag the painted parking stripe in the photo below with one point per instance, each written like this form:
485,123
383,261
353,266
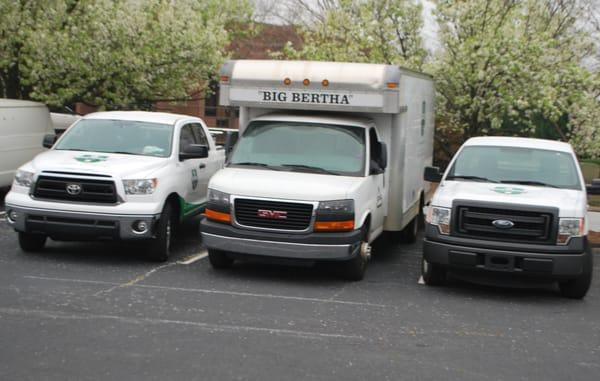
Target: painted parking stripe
194,258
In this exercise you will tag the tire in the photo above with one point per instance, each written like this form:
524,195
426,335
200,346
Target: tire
577,288
433,274
30,242
355,268
160,246
409,233
219,259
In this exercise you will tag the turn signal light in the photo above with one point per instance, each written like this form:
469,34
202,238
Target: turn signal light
217,216
334,225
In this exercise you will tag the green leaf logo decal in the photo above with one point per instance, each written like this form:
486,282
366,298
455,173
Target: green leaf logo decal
508,190
91,158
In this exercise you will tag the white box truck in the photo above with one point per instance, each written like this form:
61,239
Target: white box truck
330,156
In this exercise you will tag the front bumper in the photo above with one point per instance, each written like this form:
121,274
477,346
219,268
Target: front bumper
310,246
68,225
547,261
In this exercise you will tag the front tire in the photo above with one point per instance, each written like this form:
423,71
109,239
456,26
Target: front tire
30,243
219,259
433,274
577,288
160,246
355,268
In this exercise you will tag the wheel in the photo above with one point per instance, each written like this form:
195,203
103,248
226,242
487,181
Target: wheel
30,242
409,233
355,268
433,274
578,287
219,259
160,245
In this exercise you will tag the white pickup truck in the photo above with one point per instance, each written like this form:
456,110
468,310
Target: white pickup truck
117,176
330,156
510,207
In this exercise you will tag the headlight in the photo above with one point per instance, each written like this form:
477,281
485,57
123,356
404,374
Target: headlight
218,200
218,207
569,227
337,215
141,186
337,206
24,178
440,217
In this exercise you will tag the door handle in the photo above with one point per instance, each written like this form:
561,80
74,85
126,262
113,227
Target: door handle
202,166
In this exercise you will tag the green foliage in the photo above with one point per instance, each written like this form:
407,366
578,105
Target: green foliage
515,68
112,53
380,31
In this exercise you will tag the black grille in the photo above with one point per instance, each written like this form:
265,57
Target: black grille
529,225
55,188
297,216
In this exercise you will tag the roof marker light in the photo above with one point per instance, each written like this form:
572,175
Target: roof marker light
392,85
306,82
325,83
225,78
287,81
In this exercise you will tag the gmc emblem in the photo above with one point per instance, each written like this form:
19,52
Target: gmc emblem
272,214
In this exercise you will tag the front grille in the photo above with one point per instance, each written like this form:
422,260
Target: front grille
297,215
55,188
532,226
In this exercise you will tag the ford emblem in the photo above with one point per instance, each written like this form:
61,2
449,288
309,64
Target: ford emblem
73,189
503,224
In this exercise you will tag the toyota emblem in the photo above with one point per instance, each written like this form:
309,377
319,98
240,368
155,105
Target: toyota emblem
73,189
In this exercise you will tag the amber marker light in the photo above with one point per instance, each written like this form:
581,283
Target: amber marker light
329,226
225,78
287,81
325,83
392,85
217,216
306,82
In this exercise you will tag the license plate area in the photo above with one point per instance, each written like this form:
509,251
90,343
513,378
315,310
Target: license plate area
500,262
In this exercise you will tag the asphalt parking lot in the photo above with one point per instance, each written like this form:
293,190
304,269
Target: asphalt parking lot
102,311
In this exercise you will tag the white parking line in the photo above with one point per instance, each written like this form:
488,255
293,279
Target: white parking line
211,327
2,216
421,281
193,258
217,292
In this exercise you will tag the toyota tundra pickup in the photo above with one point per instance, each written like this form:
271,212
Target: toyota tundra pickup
510,205
115,176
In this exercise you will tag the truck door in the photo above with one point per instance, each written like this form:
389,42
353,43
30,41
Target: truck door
193,171
378,187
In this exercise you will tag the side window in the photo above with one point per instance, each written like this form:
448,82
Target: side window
186,137
374,146
199,134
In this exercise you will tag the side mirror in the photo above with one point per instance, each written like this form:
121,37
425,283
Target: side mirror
383,162
594,187
49,140
193,151
432,174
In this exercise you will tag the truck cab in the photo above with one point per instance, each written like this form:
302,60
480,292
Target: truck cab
115,176
511,206
329,157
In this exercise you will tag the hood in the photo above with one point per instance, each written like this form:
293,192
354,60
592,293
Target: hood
284,185
571,203
117,165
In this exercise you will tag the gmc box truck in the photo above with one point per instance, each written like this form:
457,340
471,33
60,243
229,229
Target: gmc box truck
330,156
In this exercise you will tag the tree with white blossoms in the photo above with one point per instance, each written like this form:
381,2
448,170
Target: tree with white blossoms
113,53
382,31
514,66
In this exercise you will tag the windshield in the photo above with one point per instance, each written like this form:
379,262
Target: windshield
514,165
118,136
308,147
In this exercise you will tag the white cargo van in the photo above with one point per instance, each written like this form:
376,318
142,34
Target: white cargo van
120,175
23,124
510,207
330,156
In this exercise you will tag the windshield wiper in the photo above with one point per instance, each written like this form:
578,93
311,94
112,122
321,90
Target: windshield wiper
251,163
528,182
478,178
309,167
